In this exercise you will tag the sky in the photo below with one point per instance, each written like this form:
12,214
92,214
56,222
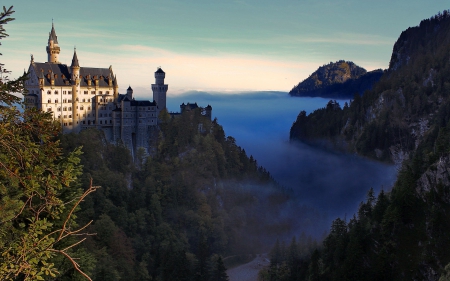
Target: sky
221,45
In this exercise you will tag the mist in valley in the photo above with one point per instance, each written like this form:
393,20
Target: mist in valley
322,184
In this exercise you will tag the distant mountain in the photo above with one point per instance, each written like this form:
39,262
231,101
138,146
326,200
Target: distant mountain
403,234
338,80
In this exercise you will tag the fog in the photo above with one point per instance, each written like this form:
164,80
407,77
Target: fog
331,182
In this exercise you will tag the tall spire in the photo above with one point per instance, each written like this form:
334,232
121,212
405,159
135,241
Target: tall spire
75,58
52,35
52,47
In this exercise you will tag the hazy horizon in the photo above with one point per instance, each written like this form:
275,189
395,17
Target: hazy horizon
322,179
205,45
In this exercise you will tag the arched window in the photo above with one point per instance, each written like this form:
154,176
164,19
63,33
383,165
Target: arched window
56,92
70,108
49,92
59,108
56,100
49,100
81,107
89,108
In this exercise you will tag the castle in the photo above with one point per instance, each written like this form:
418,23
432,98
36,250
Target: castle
88,97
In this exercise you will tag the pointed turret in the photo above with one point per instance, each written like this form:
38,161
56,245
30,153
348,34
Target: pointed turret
130,93
52,35
75,59
52,46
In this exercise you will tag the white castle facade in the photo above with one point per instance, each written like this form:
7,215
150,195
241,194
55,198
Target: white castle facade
87,97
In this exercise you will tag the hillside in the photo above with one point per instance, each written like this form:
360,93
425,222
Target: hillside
339,80
170,215
402,234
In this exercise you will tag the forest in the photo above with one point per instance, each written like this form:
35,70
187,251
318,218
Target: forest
401,234
74,207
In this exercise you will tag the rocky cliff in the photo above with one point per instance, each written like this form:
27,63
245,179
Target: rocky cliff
408,103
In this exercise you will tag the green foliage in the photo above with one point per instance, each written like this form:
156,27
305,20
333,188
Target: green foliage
170,216
38,191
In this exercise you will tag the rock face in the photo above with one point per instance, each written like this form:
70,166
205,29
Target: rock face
406,107
341,79
436,175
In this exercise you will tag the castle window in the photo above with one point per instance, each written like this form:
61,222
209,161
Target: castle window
70,92
107,92
89,108
49,109
65,116
70,108
76,99
84,114
65,109
56,92
49,100
70,116
81,107
56,100
64,92
59,108
85,92
70,123
100,92
92,92
49,92
69,101
84,122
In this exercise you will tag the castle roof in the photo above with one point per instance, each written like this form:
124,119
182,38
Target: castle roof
129,88
75,59
52,35
142,103
62,74
159,70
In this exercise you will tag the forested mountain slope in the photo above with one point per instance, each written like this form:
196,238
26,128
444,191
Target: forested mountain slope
403,234
339,80
410,101
170,216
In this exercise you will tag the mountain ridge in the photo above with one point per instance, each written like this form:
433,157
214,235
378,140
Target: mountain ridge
340,80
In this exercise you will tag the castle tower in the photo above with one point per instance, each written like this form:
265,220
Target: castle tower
52,47
160,89
116,89
130,93
75,68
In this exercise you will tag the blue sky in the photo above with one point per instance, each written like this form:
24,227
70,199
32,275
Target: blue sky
210,44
